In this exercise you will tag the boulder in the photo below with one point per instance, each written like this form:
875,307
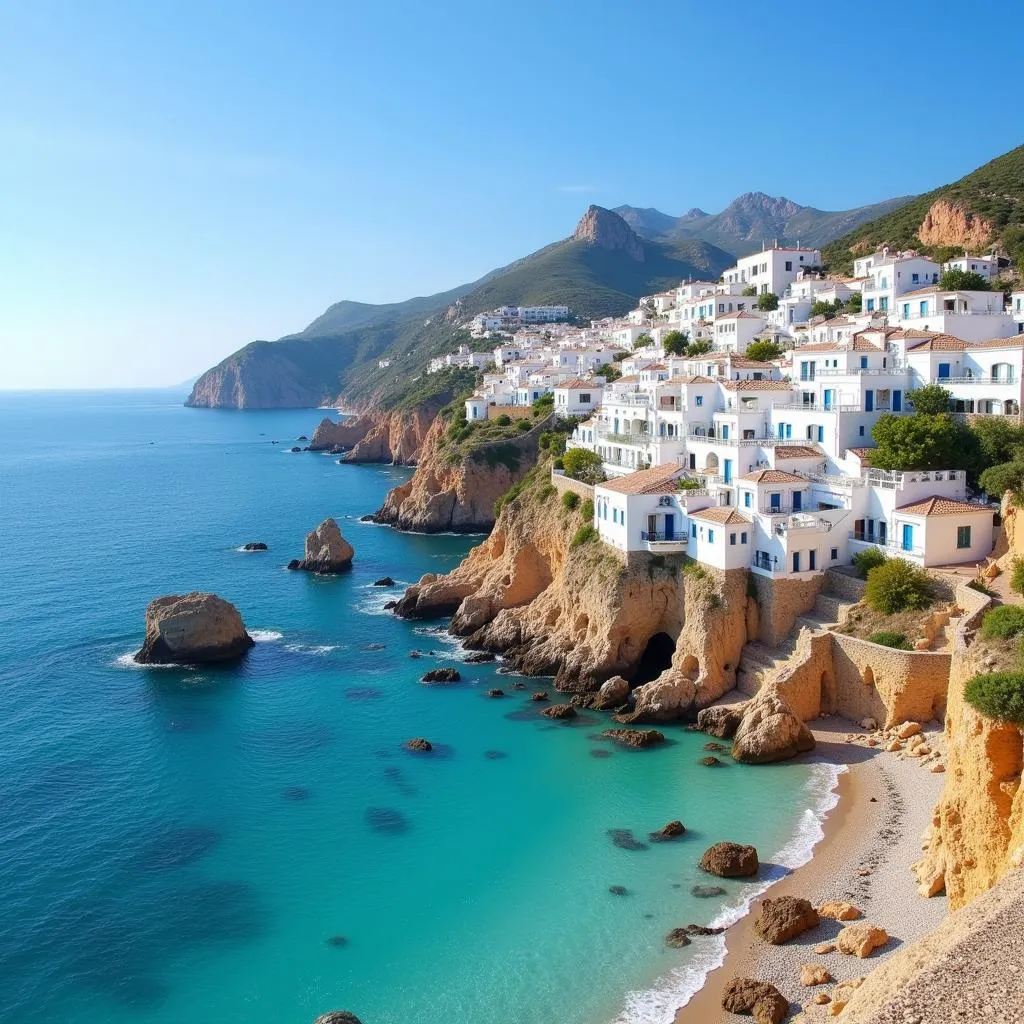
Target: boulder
254,545
842,994
338,1017
192,629
782,919
614,693
861,940
715,747
677,938
839,910
479,658
770,731
825,947
638,738
709,761
539,695
730,860
441,675
704,929
722,721
495,693
618,890
419,744
560,711
384,581
757,999
668,831
326,551
815,974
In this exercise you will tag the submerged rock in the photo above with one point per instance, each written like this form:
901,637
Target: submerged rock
338,1017
709,761
441,675
254,545
419,745
480,657
560,711
495,693
624,839
337,941
703,929
327,551
677,938
706,892
539,695
618,890
192,629
730,860
638,738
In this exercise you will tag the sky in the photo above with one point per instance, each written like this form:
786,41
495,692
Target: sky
179,178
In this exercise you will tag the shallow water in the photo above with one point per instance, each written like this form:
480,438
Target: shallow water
254,843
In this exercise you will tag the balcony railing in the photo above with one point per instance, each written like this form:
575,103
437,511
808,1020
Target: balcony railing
869,371
888,545
661,536
979,380
834,407
798,522
633,439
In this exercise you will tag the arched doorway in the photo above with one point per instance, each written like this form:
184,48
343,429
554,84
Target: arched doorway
656,658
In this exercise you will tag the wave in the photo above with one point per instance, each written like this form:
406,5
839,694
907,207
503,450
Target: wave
265,636
127,660
659,1003
311,648
374,598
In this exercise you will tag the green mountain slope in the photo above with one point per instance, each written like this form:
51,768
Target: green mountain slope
990,200
600,271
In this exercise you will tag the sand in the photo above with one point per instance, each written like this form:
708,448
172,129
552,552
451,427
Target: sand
881,836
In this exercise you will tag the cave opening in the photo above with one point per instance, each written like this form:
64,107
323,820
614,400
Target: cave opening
656,658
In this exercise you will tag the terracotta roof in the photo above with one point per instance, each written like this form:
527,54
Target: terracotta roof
822,346
939,343
627,380
576,383
740,314
1015,342
862,453
656,480
697,380
758,385
654,366
863,345
742,363
936,505
796,451
772,476
724,514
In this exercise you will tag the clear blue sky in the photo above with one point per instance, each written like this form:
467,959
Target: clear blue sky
178,178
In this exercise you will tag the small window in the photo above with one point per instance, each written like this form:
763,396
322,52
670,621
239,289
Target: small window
746,499
732,539
963,536
743,537
700,400
711,536
693,530
861,431
835,554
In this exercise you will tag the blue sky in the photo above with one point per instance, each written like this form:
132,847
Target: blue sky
177,179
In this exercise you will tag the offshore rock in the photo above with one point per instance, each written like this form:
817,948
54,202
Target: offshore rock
337,1017
770,731
192,629
638,738
614,693
327,551
721,721
730,860
391,437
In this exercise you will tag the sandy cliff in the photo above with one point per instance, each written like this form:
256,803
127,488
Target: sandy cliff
392,437
948,224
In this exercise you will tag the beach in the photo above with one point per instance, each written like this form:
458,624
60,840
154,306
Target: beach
871,837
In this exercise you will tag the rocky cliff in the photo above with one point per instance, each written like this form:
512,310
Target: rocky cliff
946,223
608,230
583,614
393,437
457,491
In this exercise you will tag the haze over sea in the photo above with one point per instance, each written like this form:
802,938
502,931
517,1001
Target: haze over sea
180,846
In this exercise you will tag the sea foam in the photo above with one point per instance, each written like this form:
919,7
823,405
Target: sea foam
265,636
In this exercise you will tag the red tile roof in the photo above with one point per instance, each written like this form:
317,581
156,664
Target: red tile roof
936,505
656,480
772,476
795,451
726,515
758,385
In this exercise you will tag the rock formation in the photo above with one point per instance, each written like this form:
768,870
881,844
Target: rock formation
769,731
254,545
945,223
441,675
192,629
395,436
608,230
327,551
638,738
730,860
782,919
861,940
459,496
614,693
757,999
337,1017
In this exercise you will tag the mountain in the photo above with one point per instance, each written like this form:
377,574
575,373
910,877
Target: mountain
755,219
600,270
982,209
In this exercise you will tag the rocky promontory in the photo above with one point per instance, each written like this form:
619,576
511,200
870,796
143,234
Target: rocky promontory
395,436
192,629
327,551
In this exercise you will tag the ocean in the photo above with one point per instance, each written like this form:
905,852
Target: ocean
253,843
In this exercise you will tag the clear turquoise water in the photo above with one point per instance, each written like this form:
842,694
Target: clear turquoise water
154,866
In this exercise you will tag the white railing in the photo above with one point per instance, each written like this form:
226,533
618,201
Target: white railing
979,380
870,371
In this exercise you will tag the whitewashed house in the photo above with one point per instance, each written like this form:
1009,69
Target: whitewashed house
772,270
986,266
578,397
970,315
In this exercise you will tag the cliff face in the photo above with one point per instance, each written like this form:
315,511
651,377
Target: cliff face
583,615
948,224
459,496
393,437
608,230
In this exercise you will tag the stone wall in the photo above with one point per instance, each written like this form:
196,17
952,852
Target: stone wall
565,483
779,602
513,412
807,682
847,588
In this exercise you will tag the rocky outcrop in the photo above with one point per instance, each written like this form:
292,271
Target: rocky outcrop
782,919
614,693
946,223
730,860
770,731
192,629
721,720
327,551
395,436
446,494
608,230
638,738
337,1017
758,999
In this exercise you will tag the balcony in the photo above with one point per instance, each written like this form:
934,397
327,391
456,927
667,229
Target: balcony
659,543
978,380
890,547
638,440
868,371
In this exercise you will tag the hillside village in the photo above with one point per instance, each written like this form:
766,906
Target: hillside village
766,463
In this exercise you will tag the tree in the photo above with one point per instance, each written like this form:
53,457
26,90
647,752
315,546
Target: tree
643,341
998,440
1008,476
698,347
763,351
854,303
750,290
826,309
583,465
918,442
767,301
963,281
674,343
608,371
930,400
896,586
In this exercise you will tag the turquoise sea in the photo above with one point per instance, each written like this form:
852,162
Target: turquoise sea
180,847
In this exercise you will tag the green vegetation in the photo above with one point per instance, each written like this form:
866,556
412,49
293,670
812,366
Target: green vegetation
767,301
570,501
890,638
1003,622
552,441
1009,476
432,388
583,465
930,400
544,405
698,347
922,441
584,535
523,426
750,291
500,454
998,695
674,343
643,341
688,483
1017,576
587,510
546,491
503,420
854,303
897,586
963,281
866,560
608,371
763,351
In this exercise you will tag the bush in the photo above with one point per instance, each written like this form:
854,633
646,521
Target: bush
763,351
963,281
1017,576
570,501
584,535
503,420
553,441
522,426
1003,622
546,491
997,695
583,465
890,638
896,586
930,400
587,511
866,560
767,301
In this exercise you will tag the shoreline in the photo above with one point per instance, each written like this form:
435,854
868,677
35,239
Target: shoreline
884,804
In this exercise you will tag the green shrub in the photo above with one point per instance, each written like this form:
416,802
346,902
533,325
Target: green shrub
559,463
546,491
584,535
583,465
570,501
503,420
1003,622
890,638
896,586
1017,576
523,426
864,561
998,695
587,510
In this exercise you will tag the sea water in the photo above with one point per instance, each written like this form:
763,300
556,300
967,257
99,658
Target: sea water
254,844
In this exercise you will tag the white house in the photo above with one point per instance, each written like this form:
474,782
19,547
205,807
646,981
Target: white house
986,266
971,315
644,511
891,275
735,331
772,270
578,397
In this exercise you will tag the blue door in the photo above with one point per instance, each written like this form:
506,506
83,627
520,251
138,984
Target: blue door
670,526
812,561
821,435
943,371
728,471
725,431
796,561
908,537
616,425
798,501
776,502
897,401
869,401
789,431
863,362
829,397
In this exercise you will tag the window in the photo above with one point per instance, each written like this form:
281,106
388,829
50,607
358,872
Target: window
732,539
699,400
860,431
835,554
585,399
746,499
789,264
743,537
693,530
711,536
963,536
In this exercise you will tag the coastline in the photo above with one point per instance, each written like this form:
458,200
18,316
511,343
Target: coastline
884,804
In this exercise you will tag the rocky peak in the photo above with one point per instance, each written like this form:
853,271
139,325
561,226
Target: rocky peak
693,213
760,204
608,230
